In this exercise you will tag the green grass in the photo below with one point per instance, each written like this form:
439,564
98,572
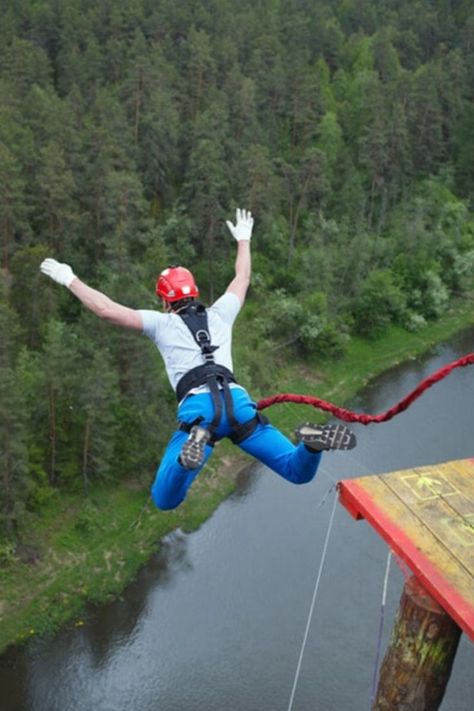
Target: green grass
340,380
89,549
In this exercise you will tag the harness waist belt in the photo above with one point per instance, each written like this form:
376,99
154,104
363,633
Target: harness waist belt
239,433
200,376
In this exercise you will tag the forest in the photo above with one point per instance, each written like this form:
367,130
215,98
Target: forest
130,131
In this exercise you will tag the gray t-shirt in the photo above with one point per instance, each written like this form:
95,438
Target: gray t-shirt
176,343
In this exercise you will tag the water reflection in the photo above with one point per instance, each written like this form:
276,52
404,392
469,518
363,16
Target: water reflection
246,482
110,626
115,624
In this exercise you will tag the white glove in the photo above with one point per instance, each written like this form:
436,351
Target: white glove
242,230
62,273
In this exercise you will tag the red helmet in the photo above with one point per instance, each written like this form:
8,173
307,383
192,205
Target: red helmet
176,283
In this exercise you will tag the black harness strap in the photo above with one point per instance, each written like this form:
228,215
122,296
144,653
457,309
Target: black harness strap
195,318
211,374
199,375
187,427
244,430
229,406
241,433
217,402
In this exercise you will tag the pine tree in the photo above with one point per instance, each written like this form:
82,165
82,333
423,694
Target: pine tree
201,69
34,298
13,424
60,380
306,182
98,401
25,65
13,208
149,97
13,452
206,186
57,205
425,120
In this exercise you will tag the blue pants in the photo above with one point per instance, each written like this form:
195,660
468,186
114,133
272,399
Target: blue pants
267,444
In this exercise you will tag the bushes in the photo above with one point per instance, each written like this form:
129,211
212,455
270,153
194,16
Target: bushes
380,302
303,323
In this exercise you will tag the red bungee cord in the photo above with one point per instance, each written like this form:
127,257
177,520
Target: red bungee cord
348,416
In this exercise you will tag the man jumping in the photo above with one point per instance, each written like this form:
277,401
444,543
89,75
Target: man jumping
195,344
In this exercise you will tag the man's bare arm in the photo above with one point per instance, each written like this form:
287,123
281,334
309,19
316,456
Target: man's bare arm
243,269
104,307
242,233
94,300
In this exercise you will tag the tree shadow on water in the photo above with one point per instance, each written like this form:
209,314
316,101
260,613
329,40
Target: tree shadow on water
246,481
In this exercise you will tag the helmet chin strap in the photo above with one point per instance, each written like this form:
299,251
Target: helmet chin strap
168,307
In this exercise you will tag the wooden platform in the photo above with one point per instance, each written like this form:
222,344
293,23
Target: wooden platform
426,515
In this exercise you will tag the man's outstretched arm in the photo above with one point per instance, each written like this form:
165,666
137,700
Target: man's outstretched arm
94,300
242,232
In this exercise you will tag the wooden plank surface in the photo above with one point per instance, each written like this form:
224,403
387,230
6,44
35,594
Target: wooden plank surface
426,515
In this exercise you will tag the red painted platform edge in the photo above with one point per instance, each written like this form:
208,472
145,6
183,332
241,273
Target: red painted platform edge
361,505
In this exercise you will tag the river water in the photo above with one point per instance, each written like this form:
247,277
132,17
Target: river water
216,621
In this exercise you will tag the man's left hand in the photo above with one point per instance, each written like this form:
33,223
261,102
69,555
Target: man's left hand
242,230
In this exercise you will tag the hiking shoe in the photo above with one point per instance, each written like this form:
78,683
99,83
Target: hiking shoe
319,437
192,453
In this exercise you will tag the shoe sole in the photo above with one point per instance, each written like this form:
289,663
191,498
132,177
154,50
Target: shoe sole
192,453
326,437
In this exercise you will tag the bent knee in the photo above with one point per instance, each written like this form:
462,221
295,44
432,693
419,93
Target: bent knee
163,500
306,475
305,479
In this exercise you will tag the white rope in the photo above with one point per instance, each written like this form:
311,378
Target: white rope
313,602
379,636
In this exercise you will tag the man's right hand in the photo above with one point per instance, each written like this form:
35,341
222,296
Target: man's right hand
58,271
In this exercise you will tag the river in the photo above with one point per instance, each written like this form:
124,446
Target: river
215,622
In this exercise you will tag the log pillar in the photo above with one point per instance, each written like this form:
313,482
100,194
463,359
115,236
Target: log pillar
417,665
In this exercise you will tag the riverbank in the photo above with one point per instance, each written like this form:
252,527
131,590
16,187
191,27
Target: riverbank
88,550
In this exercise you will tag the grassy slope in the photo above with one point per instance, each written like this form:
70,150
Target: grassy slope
337,382
89,549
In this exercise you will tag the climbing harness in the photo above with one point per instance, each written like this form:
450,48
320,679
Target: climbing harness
349,416
216,377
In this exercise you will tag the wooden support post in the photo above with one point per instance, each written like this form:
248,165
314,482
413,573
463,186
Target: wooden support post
417,665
